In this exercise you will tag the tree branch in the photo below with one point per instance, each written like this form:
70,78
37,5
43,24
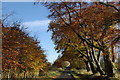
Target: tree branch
109,5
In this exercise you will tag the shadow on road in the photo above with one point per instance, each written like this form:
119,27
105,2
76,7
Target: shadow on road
91,77
65,75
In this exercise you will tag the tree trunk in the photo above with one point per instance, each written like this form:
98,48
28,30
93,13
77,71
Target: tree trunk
113,56
92,67
107,62
90,60
24,75
99,69
98,56
108,65
87,66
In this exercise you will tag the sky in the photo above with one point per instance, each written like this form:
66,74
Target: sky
58,0
34,17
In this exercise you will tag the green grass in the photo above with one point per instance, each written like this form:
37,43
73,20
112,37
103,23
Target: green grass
84,75
53,74
50,74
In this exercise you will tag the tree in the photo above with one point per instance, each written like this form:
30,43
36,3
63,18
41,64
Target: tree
21,54
72,24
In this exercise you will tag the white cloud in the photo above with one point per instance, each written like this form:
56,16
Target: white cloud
37,25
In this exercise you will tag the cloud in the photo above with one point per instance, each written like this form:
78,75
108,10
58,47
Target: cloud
37,25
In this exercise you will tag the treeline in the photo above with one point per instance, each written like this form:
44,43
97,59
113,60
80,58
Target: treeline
22,55
87,31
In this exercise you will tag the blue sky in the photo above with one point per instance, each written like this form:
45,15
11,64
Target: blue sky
35,18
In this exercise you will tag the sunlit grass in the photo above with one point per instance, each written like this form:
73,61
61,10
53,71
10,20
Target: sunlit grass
80,74
52,73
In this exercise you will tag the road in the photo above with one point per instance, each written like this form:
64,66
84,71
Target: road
65,75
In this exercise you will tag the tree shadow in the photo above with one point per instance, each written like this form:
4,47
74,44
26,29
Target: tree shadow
65,75
91,77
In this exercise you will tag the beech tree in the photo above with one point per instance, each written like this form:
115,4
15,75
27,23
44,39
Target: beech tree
92,25
22,56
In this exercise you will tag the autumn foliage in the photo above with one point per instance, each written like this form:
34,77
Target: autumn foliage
22,56
88,30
